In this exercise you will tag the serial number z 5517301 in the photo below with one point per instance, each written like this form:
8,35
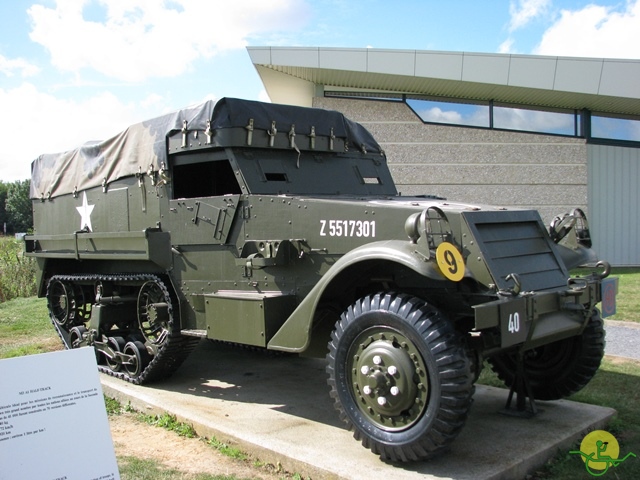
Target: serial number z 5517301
348,228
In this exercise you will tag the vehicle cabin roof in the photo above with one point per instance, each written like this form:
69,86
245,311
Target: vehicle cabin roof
229,122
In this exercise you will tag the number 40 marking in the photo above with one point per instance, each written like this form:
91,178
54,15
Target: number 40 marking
514,322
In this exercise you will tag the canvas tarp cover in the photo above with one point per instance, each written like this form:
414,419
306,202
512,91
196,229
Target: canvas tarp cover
144,145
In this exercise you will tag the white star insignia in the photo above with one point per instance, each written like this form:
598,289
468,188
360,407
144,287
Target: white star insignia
85,213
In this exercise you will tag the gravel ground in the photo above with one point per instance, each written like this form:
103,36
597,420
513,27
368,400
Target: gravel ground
623,339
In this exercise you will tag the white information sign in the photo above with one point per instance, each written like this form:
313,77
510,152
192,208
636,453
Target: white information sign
53,422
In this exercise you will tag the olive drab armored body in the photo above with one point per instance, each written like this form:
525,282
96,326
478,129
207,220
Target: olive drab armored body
280,227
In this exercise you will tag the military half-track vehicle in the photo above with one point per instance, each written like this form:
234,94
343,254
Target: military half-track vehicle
280,228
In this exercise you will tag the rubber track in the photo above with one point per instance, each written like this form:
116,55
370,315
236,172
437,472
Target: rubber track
170,355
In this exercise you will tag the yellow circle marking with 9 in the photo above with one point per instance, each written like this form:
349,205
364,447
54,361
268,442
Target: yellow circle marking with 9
450,261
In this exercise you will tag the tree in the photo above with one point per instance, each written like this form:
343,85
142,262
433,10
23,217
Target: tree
18,206
3,199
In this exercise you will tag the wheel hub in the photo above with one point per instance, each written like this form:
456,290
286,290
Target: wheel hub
389,379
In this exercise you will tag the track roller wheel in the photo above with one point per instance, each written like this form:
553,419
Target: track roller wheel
116,344
139,358
77,337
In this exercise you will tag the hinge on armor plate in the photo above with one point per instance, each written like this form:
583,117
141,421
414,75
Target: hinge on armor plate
272,133
292,136
249,129
247,270
143,189
208,132
312,138
185,132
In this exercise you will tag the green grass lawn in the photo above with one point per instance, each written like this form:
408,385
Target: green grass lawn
628,298
25,328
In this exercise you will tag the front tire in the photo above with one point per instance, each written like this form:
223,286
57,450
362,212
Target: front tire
561,368
399,376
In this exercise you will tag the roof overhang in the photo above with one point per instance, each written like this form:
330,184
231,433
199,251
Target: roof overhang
599,84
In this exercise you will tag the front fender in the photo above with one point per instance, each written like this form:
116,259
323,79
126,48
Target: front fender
294,335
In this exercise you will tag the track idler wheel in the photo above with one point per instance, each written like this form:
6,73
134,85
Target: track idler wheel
67,304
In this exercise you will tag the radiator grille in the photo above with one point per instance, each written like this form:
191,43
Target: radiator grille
516,242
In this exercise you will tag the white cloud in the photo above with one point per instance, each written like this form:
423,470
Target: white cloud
467,115
8,66
533,120
41,123
521,14
151,100
525,11
506,46
139,39
594,31
436,114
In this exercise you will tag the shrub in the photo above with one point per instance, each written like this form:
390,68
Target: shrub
17,272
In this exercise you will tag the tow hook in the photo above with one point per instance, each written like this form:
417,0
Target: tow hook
515,291
580,284
607,269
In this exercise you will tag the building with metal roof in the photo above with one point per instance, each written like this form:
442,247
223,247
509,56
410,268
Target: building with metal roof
551,133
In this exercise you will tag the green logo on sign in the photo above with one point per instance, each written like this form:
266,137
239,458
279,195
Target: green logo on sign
600,450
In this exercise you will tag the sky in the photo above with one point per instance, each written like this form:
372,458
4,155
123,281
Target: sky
73,71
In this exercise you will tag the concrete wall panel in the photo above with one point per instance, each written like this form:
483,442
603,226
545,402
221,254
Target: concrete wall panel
531,71
423,133
578,75
445,65
490,175
559,199
370,111
344,59
397,62
620,78
485,68
472,165
522,154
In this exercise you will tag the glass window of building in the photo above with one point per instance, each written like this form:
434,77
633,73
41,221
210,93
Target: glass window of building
615,128
538,121
466,114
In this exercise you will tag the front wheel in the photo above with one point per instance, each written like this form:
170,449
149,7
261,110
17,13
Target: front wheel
399,376
558,369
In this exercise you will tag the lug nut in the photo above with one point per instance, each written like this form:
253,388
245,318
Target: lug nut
392,370
394,390
382,401
377,360
364,369
366,390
